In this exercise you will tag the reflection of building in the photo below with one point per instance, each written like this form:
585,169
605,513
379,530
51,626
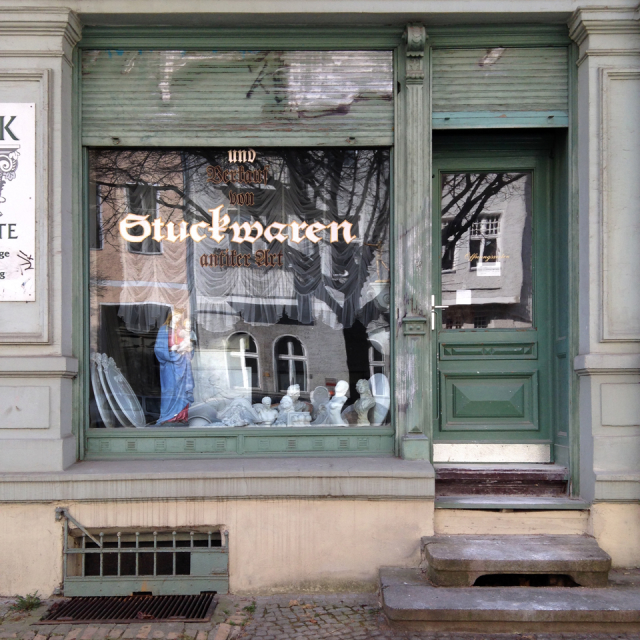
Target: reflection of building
489,283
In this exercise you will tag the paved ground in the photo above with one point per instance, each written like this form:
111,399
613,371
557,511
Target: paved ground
297,617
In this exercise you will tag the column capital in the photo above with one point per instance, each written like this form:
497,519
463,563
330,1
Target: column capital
34,31
604,21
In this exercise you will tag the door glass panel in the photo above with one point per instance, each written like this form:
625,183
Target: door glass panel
486,250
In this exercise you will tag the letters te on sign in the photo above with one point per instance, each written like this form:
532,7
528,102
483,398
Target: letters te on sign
17,202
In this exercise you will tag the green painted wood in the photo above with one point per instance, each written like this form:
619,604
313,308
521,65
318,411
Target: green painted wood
483,398
500,119
412,369
501,79
506,35
177,97
159,586
242,38
177,443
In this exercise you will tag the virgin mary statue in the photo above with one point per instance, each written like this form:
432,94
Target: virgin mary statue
174,351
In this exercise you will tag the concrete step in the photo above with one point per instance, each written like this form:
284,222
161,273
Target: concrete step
501,480
458,561
411,603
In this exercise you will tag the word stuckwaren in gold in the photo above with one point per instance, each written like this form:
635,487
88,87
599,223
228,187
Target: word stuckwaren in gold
245,232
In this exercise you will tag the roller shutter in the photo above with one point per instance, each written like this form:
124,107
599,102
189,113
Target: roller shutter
500,87
227,97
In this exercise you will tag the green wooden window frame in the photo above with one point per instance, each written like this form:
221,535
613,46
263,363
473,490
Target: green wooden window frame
417,420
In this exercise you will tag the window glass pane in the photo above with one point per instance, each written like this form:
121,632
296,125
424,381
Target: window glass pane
229,277
487,248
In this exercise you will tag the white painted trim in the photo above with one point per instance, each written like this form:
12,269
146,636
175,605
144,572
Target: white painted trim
490,452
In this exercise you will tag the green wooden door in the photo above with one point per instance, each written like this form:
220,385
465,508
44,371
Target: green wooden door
491,310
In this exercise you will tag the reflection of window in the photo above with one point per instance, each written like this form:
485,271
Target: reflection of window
483,241
141,199
242,362
376,359
291,363
480,321
95,216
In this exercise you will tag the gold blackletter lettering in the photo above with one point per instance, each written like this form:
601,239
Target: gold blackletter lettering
218,225
247,230
131,221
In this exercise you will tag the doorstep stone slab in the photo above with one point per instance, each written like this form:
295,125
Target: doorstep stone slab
457,561
410,602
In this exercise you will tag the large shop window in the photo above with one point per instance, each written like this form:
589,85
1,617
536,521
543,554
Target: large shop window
245,288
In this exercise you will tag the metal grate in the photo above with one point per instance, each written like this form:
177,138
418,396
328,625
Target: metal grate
120,609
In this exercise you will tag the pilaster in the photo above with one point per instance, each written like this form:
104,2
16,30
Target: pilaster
609,234
413,248
36,360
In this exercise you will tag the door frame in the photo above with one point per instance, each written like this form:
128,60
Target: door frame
516,151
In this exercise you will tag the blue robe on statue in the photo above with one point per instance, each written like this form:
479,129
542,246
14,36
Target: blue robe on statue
176,377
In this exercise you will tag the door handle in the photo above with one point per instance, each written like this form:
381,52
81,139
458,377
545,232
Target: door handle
435,306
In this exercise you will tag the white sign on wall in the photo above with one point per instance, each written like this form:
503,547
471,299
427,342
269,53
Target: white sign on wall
17,202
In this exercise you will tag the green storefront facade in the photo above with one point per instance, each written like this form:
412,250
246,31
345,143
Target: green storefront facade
288,277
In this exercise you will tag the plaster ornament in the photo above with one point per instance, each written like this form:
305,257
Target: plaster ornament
122,399
334,407
364,403
294,393
284,409
267,414
203,414
342,388
239,413
104,409
319,398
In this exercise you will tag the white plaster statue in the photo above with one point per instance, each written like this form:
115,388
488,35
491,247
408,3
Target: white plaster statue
364,403
334,408
239,413
267,415
329,414
294,393
285,408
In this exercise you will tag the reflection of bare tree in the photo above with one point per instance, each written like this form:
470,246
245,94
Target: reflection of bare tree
312,184
464,197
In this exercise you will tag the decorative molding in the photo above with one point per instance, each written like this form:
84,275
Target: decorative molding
414,325
594,53
415,38
38,367
607,75
36,85
603,21
619,364
42,22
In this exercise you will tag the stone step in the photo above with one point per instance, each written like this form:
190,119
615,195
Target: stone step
458,561
411,603
501,480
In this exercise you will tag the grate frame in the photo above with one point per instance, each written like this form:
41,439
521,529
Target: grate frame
123,563
134,608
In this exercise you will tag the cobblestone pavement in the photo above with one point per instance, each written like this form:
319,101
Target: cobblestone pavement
291,617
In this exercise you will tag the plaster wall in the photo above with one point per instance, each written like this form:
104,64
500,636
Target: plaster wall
274,545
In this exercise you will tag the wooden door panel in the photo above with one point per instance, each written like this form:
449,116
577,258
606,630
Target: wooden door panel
489,402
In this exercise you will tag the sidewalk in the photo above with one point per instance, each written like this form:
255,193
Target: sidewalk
290,617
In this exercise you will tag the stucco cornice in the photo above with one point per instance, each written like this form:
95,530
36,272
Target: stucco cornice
603,21
41,21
